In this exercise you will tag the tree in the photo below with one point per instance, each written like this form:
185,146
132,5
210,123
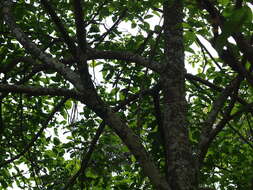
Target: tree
149,123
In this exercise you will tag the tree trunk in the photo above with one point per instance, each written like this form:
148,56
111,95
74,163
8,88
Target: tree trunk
180,164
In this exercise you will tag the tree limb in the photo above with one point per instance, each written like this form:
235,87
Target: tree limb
116,23
203,81
225,120
94,102
38,134
57,21
5,68
243,44
39,91
212,115
125,56
80,25
86,157
36,52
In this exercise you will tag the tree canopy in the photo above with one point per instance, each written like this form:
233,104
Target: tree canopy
100,95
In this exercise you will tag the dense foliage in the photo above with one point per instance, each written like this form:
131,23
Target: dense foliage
83,82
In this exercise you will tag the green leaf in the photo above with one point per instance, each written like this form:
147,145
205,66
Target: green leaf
68,104
56,141
235,21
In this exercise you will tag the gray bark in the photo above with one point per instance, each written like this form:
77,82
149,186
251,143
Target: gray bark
181,168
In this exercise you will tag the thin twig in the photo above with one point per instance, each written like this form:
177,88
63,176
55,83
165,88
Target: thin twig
57,21
241,136
102,37
207,51
86,157
38,134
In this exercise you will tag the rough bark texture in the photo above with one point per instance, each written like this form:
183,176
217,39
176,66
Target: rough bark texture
181,166
131,140
89,97
180,171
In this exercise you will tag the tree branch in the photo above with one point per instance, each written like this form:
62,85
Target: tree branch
38,134
81,57
116,23
36,52
39,91
226,118
86,158
60,26
207,51
212,115
241,136
203,81
125,56
212,86
243,44
5,68
80,25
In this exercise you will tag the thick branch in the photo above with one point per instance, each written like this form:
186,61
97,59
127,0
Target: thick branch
5,68
125,56
36,52
81,39
243,45
87,156
80,25
39,91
